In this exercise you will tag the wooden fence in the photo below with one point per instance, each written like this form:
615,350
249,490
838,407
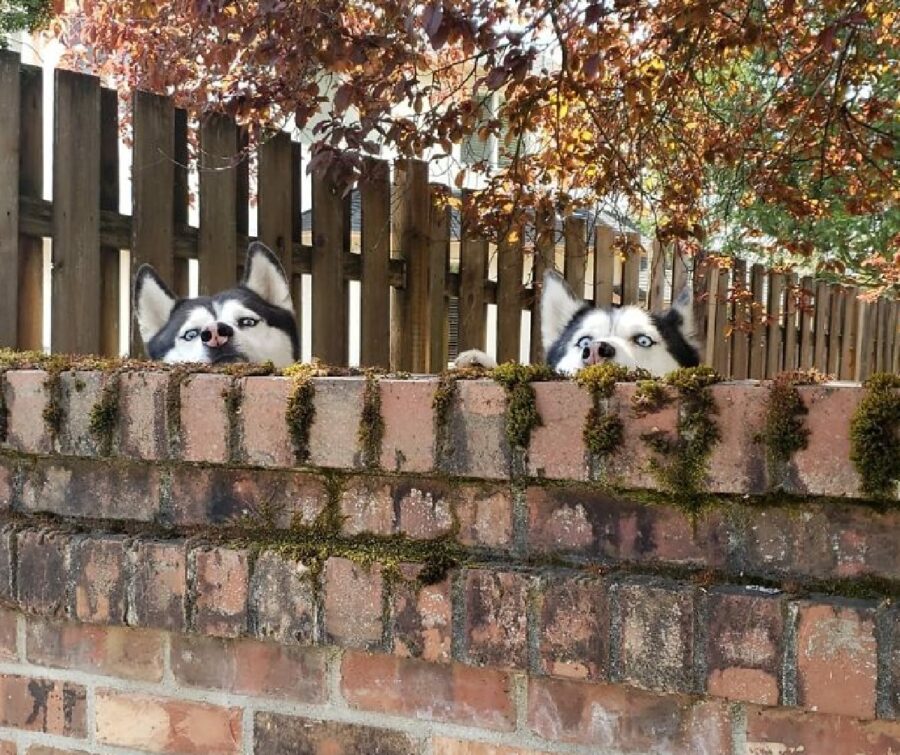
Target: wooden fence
418,280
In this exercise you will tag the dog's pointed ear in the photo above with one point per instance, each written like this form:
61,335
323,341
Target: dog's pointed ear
558,306
264,275
153,302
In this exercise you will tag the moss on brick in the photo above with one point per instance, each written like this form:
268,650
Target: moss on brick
105,415
300,408
650,396
521,409
602,432
371,423
875,436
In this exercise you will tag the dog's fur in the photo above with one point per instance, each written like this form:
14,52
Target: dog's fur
576,334
252,322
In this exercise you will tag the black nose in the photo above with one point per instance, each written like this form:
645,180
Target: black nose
225,330
606,350
220,330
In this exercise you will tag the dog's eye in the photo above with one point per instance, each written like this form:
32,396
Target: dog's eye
643,340
248,322
190,335
583,342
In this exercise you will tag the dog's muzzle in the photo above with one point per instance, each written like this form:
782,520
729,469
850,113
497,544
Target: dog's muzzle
597,351
216,335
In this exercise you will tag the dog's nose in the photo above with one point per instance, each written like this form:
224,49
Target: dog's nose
216,335
597,351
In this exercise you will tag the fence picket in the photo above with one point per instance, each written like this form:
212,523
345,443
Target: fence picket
375,240
790,323
109,200
542,259
181,198
739,335
836,313
604,265
717,318
217,242
439,251
75,317
865,340
848,334
823,315
473,272
509,298
774,335
275,187
575,253
10,123
631,269
329,298
807,323
758,331
657,290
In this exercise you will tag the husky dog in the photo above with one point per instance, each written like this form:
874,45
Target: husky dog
575,334
253,322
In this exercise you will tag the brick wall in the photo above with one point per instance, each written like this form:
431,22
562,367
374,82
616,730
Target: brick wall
173,580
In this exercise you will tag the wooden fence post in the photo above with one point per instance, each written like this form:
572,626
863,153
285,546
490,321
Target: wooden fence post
275,187
790,323
75,318
575,253
10,125
836,297
544,253
717,343
439,251
329,294
657,290
774,334
848,340
217,243
509,301
739,335
473,273
604,265
758,331
375,290
110,292
807,323
631,269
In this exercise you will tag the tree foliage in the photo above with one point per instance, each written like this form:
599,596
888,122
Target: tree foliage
763,123
23,15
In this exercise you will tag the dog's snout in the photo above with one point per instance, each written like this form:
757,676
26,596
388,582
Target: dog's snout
597,351
216,334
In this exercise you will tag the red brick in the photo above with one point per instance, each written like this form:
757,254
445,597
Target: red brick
9,748
41,577
43,705
448,746
585,522
421,616
158,585
484,515
629,466
334,435
353,607
824,466
219,495
423,508
8,472
165,725
143,415
221,589
657,624
428,691
262,419
80,391
98,575
737,462
783,731
744,640
408,414
43,750
476,432
893,618
274,733
92,489
205,427
557,447
8,542
496,617
112,651
250,667
282,598
626,720
27,397
9,621
367,505
575,627
837,663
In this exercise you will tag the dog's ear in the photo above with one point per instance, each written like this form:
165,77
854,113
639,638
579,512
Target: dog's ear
558,306
264,275
683,304
153,302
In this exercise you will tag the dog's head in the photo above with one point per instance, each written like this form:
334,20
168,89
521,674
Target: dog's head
253,322
576,335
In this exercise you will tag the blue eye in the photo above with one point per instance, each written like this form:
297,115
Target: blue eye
583,342
190,335
248,322
643,340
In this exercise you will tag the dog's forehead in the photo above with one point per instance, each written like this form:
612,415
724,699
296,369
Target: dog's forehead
633,320
595,322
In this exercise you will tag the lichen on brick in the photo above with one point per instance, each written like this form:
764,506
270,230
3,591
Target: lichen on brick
875,436
371,423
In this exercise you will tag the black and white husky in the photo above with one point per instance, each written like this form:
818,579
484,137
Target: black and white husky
252,322
576,334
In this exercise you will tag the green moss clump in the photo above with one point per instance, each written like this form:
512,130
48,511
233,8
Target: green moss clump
371,423
521,409
875,436
650,396
105,415
683,467
602,432
600,379
301,407
442,403
785,430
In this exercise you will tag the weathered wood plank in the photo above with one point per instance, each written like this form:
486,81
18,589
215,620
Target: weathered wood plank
657,291
473,273
807,322
109,200
849,330
10,126
31,184
574,229
180,200
823,315
758,331
836,314
329,290
297,233
631,269
375,292
438,267
509,285
275,185
542,260
409,315
604,265
718,328
153,211
75,318
865,342
790,323
680,272
740,335
217,245
774,334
